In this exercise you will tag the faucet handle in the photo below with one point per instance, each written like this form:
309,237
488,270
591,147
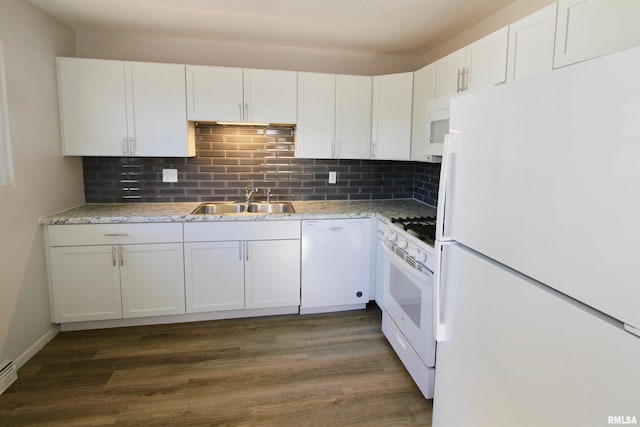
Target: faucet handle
267,191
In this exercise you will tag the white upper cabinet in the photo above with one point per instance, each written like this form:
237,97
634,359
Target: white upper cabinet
486,60
270,96
480,64
214,93
531,42
590,28
391,116
116,108
423,92
334,116
157,118
315,134
237,95
449,72
353,117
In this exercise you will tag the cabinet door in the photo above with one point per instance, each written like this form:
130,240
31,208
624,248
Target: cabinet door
391,122
486,60
92,107
316,115
214,276
423,91
270,96
152,278
214,93
272,273
531,44
157,117
85,284
449,74
353,117
590,28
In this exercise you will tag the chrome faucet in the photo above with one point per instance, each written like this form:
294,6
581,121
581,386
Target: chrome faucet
267,191
248,193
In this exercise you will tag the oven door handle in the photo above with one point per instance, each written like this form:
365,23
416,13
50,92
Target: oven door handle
406,268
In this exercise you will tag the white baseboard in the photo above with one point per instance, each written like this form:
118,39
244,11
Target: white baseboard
37,346
8,374
330,309
177,318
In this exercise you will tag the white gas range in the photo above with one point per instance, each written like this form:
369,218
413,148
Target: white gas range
407,319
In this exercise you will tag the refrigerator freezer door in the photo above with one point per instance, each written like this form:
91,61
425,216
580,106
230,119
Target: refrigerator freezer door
520,354
547,179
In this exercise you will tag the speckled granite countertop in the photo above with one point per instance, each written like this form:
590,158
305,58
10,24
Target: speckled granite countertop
181,212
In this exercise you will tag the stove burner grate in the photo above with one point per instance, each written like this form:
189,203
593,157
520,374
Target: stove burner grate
423,227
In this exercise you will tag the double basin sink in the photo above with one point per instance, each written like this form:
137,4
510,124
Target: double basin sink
220,208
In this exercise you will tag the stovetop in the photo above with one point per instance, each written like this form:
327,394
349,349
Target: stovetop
423,227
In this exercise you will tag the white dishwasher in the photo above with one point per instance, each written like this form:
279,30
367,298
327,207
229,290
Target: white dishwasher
336,264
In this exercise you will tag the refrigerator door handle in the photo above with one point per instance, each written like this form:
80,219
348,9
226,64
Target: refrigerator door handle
439,332
446,181
631,329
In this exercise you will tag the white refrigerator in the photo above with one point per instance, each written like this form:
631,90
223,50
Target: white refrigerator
538,253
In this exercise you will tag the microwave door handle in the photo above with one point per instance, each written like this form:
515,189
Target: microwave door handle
446,183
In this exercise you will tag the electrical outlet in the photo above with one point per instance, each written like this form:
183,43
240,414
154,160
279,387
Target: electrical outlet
332,177
169,175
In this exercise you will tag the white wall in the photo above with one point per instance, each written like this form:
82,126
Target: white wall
211,52
44,180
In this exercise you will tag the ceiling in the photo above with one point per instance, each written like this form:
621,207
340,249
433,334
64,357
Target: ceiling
403,27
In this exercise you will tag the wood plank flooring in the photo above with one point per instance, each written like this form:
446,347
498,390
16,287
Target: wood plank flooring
317,370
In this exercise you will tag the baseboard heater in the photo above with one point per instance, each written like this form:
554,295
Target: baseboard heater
8,374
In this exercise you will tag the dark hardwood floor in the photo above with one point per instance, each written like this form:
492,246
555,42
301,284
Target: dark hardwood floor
317,370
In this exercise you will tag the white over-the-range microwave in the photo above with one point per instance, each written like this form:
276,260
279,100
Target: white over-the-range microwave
437,128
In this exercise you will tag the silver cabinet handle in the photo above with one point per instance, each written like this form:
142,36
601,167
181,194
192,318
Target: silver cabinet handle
459,81
246,251
240,250
246,111
116,234
124,147
121,256
241,110
132,146
113,255
465,79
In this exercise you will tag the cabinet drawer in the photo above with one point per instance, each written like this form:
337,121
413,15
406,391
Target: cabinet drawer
241,230
113,234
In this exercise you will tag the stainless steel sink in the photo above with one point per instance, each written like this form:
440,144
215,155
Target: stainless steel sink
271,207
221,208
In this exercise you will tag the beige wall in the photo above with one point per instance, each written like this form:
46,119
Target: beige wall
44,180
515,11
209,52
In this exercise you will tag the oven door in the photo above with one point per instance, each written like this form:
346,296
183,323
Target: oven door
408,301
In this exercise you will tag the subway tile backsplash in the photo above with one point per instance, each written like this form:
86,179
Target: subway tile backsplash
229,158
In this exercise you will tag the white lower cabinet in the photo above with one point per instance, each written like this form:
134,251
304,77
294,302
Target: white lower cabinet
272,273
114,271
242,265
151,280
85,285
214,276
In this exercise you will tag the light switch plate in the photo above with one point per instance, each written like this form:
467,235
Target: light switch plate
332,177
169,175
